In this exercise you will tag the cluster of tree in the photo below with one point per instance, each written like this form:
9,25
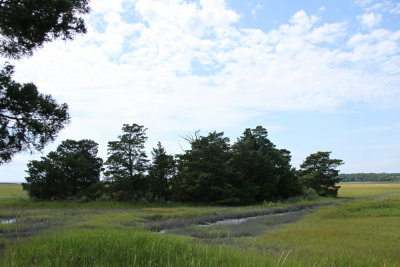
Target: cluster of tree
248,171
370,177
72,170
28,119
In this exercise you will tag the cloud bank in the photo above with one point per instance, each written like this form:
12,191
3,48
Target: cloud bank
174,65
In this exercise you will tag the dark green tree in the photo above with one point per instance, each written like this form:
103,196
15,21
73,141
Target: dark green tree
70,170
26,25
28,120
265,172
161,170
319,172
204,173
127,162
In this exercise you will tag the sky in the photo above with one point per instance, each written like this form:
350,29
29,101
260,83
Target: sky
318,75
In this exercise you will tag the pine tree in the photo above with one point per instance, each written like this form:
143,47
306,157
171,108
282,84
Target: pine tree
127,162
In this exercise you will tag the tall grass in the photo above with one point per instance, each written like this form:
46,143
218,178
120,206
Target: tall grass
364,232
126,248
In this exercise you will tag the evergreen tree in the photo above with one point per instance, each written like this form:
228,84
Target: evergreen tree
27,24
265,172
127,162
70,170
161,171
319,172
204,174
28,119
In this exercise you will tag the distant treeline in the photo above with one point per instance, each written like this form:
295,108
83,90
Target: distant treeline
370,177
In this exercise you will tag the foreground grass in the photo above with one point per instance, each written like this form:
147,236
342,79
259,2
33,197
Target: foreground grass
126,248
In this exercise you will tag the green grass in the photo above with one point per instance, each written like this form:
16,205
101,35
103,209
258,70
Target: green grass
126,248
361,231
355,234
366,189
12,191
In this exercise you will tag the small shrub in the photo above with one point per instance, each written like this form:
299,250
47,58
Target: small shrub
310,194
82,199
104,197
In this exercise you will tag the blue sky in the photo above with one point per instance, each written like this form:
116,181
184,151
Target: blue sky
318,75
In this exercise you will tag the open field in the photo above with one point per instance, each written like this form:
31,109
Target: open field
360,228
366,189
12,192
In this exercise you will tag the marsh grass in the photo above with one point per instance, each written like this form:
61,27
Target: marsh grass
126,248
361,231
326,237
352,190
228,233
12,191
212,218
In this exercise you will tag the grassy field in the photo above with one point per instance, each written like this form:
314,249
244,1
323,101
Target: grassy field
352,190
359,228
12,192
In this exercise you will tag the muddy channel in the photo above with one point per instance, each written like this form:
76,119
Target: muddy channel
233,225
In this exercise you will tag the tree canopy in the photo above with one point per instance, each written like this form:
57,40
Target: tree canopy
319,172
66,172
265,171
161,170
211,170
251,170
26,25
127,161
370,177
204,171
28,120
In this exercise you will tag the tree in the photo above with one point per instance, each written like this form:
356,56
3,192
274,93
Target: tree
127,161
161,171
70,170
26,25
265,172
319,172
28,120
204,174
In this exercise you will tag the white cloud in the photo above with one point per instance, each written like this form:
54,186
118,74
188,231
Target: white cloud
183,66
188,60
371,19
